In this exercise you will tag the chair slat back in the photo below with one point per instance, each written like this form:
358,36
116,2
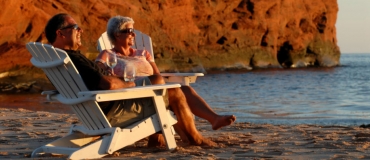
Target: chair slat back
139,43
68,82
104,43
142,41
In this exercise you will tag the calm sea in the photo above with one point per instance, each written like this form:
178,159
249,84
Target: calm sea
326,96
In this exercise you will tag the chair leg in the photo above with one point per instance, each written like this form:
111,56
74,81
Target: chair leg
139,131
165,122
81,146
123,137
77,146
36,151
96,149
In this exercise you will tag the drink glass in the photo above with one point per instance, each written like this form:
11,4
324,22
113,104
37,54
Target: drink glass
112,60
129,73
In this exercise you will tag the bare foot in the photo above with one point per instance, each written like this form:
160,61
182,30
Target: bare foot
223,121
156,140
209,143
204,142
181,133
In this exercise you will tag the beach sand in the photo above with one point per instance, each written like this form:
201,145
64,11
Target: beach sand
23,130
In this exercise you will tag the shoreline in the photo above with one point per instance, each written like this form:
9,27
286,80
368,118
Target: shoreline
38,102
23,130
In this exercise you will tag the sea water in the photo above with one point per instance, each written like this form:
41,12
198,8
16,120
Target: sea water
325,96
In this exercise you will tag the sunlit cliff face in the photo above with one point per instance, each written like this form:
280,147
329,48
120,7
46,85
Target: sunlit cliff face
190,35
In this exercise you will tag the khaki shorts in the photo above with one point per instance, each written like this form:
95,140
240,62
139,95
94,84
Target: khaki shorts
126,112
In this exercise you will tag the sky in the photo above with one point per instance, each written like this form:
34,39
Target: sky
353,26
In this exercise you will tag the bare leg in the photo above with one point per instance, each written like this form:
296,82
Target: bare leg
156,140
201,109
185,120
199,106
156,79
185,125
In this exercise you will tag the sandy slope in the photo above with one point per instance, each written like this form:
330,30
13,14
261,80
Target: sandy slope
23,130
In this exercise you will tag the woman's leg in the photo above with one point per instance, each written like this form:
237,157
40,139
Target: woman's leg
201,109
185,120
185,125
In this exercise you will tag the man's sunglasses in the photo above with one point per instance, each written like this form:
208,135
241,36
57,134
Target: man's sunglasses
74,26
128,30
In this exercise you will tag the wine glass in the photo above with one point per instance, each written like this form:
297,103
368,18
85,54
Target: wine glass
112,60
129,73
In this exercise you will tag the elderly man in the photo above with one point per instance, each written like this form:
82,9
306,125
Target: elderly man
63,32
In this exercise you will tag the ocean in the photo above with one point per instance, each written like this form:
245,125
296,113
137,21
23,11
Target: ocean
323,96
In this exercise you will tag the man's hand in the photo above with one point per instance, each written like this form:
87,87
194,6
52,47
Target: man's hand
129,84
111,82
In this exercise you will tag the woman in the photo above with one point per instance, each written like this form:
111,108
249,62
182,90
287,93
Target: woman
120,32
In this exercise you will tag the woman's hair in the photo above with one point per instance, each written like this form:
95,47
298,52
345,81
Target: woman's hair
115,24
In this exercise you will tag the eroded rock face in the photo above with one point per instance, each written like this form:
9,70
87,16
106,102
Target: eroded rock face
189,35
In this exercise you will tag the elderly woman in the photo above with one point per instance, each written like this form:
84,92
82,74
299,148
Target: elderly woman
120,31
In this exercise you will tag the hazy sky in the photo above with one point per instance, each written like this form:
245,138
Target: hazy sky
353,26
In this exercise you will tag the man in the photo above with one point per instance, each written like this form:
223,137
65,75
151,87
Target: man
63,32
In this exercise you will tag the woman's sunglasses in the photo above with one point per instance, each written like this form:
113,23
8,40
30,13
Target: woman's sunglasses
128,30
74,26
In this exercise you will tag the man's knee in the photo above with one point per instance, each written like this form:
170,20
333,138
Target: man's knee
156,79
175,92
176,95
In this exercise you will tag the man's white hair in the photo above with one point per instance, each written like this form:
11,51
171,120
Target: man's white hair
115,24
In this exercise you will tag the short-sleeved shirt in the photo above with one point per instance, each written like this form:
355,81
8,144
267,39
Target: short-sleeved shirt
138,58
90,72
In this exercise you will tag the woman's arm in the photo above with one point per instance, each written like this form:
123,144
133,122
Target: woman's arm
155,68
150,59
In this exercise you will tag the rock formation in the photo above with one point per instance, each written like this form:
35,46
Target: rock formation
189,35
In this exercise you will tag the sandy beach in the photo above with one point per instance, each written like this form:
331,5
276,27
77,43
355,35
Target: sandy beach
23,130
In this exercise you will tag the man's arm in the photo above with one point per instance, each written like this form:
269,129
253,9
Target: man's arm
110,82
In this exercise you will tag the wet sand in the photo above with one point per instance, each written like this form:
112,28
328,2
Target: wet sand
24,130
33,102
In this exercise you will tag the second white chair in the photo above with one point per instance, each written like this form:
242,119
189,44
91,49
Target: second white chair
143,41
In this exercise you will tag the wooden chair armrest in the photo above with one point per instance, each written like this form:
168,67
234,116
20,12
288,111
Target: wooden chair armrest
50,94
128,93
110,95
181,74
182,78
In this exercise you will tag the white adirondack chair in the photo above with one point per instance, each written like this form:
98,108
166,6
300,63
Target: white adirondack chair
79,143
143,41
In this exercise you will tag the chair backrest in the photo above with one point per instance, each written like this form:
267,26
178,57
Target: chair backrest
142,41
64,76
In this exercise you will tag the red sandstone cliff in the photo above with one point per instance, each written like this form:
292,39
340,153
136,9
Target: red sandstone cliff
187,34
